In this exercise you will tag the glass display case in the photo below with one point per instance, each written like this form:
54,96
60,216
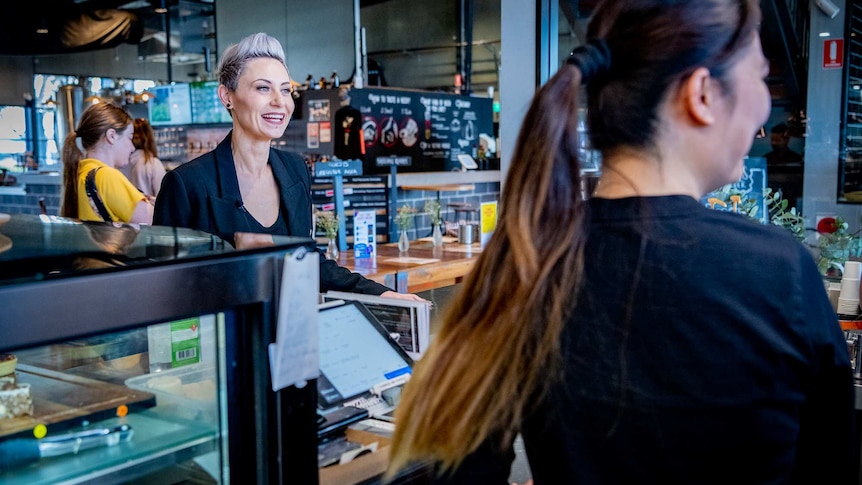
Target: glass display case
139,356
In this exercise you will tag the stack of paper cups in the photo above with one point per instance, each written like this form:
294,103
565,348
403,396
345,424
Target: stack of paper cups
848,299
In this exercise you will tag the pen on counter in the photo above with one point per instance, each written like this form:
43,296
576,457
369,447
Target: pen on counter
22,451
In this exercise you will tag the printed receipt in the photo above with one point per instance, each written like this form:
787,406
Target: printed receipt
294,358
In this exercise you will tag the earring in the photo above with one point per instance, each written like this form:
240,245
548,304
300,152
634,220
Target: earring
228,106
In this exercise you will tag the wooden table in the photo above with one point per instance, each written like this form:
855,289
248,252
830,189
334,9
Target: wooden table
423,267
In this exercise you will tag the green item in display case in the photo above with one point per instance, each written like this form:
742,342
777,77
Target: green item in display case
185,342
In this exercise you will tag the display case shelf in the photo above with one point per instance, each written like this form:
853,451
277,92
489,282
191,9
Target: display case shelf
158,443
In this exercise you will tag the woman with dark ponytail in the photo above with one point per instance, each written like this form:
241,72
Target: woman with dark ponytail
638,337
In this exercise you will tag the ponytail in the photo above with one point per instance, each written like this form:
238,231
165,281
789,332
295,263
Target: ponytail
72,156
514,303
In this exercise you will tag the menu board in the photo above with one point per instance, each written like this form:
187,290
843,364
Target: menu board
420,131
170,106
206,107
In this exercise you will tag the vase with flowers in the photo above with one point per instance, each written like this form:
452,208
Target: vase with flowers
432,209
404,219
327,222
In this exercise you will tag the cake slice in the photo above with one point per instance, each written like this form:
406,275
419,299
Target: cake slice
15,398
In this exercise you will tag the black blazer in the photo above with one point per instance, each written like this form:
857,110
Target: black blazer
204,194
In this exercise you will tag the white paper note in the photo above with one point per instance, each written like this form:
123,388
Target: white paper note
294,356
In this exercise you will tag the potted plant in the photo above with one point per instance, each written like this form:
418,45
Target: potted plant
327,222
837,246
432,208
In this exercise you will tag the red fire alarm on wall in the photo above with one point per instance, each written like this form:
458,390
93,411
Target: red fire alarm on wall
833,53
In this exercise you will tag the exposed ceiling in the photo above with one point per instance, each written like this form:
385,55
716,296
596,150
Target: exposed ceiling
44,27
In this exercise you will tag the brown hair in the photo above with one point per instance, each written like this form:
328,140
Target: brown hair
498,347
95,122
144,139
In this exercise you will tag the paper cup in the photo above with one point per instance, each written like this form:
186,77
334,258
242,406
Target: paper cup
850,288
852,270
848,306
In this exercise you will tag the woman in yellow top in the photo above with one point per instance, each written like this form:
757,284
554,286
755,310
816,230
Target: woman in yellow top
105,133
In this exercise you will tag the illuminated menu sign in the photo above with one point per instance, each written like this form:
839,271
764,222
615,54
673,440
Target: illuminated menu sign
206,107
170,106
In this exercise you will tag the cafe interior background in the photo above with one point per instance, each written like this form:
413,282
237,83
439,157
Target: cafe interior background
473,47
501,49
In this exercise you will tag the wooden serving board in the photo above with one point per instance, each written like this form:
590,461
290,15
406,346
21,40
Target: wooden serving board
62,401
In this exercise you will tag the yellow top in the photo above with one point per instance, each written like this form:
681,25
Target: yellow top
118,195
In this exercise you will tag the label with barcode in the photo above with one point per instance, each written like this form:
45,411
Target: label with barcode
187,354
185,342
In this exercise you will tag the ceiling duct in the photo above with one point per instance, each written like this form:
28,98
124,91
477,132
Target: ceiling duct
72,32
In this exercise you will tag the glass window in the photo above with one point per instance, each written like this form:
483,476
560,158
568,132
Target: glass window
45,87
13,137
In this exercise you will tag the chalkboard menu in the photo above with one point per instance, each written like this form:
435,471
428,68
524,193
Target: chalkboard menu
419,131
171,105
206,107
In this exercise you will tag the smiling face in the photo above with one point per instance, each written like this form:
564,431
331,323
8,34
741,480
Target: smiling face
262,103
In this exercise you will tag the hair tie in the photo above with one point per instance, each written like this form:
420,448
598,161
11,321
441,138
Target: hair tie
592,59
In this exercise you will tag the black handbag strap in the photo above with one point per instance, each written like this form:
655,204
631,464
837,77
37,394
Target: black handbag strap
93,195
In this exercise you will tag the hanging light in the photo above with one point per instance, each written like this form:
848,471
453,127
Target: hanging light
144,97
43,27
162,8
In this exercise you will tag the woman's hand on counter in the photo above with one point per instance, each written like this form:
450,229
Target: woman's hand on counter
403,296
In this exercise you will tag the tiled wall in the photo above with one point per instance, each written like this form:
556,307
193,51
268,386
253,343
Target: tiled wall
28,203
482,192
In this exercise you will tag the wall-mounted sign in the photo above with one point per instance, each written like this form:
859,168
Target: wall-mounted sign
393,161
432,129
833,53
338,167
